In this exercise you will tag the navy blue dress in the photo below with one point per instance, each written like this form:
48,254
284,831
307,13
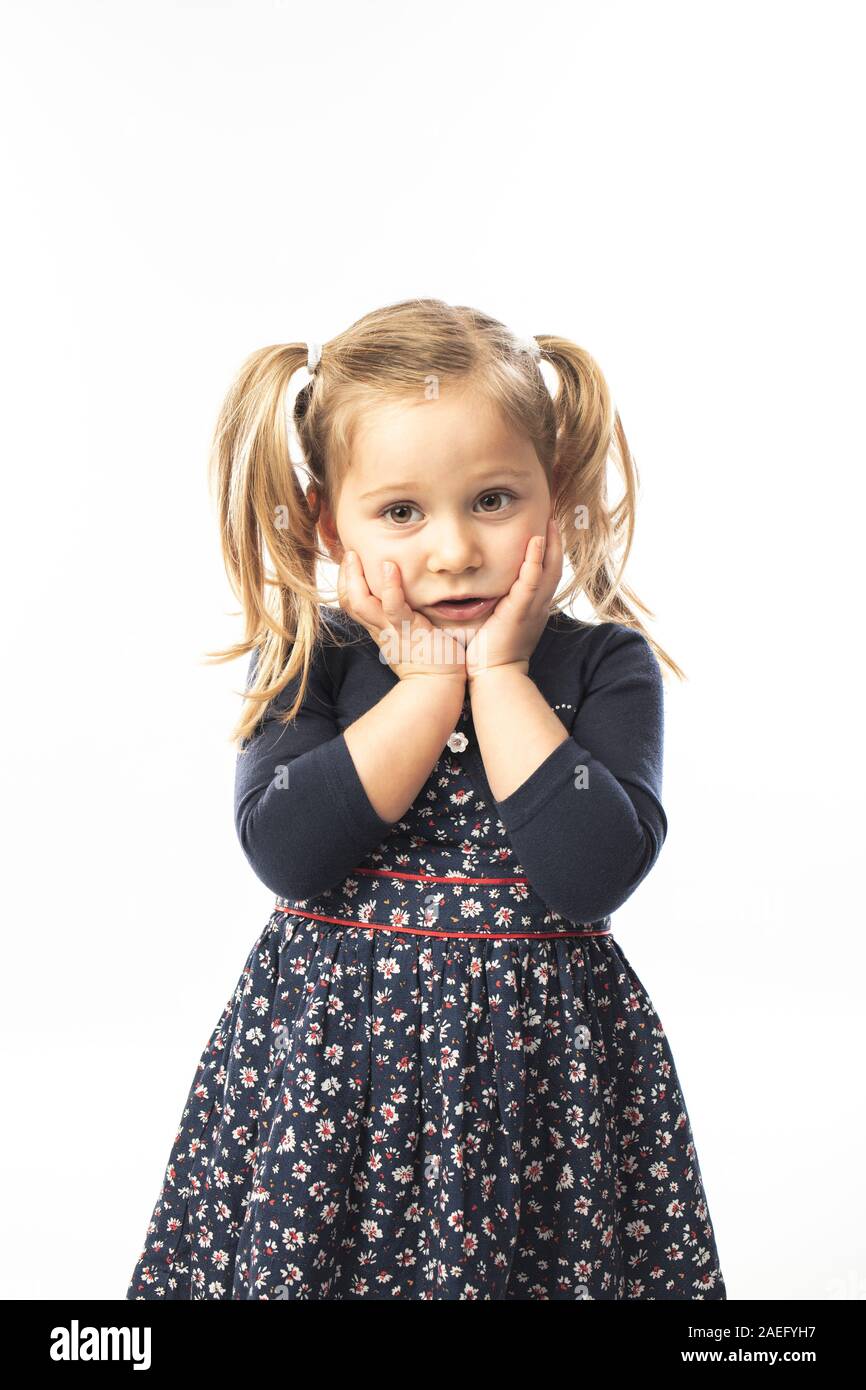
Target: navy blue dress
438,1076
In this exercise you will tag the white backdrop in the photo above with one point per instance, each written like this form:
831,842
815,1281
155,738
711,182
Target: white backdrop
675,187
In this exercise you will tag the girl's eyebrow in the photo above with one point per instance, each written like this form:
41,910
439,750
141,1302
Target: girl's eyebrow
517,473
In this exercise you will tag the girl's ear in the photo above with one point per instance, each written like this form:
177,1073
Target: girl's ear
327,529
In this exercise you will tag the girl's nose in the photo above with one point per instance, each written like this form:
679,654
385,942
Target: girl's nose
453,546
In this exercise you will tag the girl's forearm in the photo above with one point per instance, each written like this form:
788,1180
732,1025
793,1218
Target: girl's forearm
395,745
515,726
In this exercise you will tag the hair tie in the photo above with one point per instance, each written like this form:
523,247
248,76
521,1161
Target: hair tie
314,357
528,345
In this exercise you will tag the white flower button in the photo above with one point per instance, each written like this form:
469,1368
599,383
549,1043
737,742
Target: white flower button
457,742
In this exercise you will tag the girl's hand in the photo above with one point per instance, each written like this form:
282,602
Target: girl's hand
510,635
407,641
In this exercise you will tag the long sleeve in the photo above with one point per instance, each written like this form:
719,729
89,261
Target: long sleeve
302,814
585,848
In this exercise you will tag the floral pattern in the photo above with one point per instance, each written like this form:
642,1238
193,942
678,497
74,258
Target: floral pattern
427,1085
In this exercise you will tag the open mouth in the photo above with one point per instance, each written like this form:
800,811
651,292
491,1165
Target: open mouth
464,608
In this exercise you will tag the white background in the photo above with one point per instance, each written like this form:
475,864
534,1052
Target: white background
674,186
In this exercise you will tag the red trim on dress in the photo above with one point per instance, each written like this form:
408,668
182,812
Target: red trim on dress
425,931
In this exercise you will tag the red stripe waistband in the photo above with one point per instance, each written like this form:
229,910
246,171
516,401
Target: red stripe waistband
426,931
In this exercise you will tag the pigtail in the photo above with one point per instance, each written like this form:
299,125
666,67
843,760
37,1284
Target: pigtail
267,531
589,433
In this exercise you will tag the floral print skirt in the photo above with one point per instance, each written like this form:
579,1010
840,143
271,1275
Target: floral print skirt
393,1115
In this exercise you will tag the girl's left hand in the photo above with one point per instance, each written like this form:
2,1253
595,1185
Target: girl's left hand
510,635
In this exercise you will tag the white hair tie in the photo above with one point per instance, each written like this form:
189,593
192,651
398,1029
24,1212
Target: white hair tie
528,345
314,356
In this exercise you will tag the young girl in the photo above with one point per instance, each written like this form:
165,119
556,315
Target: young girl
438,1076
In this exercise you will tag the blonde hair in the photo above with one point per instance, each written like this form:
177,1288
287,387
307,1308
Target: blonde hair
388,356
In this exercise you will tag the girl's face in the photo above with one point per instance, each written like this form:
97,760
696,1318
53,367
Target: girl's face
449,493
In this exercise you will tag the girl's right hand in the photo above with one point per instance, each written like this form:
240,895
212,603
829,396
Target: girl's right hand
407,641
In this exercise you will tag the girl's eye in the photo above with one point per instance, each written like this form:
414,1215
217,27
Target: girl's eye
399,507
407,506
485,495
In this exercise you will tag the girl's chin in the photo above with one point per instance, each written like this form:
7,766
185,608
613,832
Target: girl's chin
463,632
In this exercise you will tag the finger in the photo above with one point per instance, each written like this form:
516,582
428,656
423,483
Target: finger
393,599
544,553
554,557
553,536
532,570
523,594
357,600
